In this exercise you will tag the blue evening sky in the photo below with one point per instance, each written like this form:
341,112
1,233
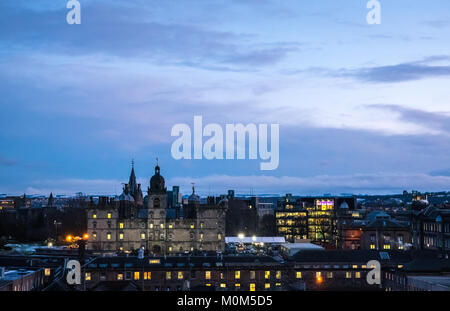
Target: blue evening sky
362,108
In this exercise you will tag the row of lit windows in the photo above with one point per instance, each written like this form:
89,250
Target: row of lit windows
179,275
143,236
109,215
150,225
169,275
385,246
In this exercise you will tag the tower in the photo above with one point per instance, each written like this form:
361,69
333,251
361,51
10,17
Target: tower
132,186
157,204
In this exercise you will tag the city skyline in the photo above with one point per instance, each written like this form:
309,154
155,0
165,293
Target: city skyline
362,108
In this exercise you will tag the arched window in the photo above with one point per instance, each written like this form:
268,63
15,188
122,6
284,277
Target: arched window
156,203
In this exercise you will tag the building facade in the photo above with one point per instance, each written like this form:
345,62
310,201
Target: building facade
130,222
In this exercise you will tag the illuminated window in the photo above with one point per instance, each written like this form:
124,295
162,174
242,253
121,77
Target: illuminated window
278,275
348,275
252,275
318,274
94,216
147,275
154,261
252,287
192,226
299,275
150,226
207,275
237,275
208,284
372,246
94,235
221,276
168,275
136,275
162,226
400,266
358,275
201,236
47,271
267,285
201,225
267,274
387,246
109,215
121,236
237,285
120,277
355,266
142,236
277,284
180,275
329,275
219,237
223,285
88,276
170,248
108,236
170,226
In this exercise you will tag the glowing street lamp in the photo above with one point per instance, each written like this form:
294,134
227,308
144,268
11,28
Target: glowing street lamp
241,236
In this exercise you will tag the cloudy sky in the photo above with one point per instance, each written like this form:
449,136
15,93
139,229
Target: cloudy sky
362,108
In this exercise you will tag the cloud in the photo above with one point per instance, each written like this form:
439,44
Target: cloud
438,24
71,186
317,185
434,120
408,71
442,172
259,185
107,31
8,162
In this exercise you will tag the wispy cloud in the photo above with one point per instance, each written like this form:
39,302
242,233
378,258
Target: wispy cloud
167,43
408,71
434,120
219,184
7,162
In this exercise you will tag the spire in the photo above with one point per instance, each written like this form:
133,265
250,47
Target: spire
157,168
132,182
50,200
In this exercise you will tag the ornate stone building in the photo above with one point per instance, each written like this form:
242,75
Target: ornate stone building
129,221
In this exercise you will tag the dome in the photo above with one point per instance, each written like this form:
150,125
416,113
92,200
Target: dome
193,197
157,183
344,205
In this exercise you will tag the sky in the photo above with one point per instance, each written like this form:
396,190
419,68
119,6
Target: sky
362,108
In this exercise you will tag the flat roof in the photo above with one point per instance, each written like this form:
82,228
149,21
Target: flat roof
303,246
436,280
249,240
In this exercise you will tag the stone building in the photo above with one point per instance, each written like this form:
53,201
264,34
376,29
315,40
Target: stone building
130,222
